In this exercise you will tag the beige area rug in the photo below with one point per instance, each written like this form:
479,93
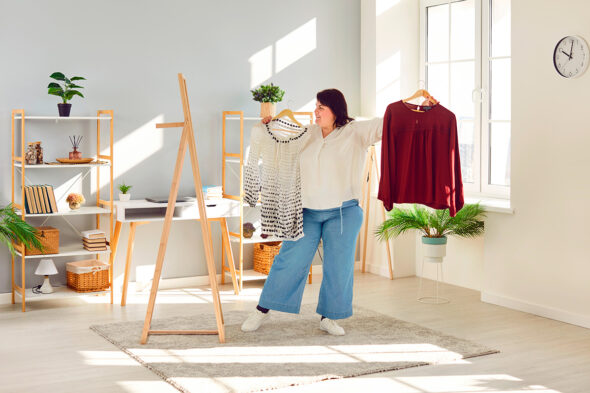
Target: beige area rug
287,350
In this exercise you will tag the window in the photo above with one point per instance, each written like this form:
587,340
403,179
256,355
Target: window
465,61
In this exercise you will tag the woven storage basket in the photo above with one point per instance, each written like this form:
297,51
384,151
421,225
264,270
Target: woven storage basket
88,276
264,255
49,238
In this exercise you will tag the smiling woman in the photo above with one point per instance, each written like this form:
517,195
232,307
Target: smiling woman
330,164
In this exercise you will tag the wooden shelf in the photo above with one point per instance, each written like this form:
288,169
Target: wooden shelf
78,212
68,250
58,293
48,166
255,239
27,117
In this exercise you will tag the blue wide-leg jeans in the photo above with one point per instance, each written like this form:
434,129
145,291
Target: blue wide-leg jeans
338,228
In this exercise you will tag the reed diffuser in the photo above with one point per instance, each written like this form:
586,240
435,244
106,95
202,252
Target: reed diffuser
75,140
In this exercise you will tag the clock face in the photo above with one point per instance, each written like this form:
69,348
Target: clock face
571,56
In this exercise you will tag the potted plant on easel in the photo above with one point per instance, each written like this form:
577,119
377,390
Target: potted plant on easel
66,92
268,96
435,226
124,195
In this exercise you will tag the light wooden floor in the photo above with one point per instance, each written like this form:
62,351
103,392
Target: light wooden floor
50,348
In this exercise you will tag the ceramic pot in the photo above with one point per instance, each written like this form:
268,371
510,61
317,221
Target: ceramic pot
124,197
75,205
267,109
434,248
64,109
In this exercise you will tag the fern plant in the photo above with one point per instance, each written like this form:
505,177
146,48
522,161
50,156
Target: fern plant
124,188
13,229
468,222
268,93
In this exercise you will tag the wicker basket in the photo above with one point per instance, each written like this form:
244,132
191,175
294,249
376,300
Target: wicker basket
88,276
264,255
49,238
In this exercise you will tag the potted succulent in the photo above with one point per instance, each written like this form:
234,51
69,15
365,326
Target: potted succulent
66,92
124,195
435,226
13,229
75,200
268,96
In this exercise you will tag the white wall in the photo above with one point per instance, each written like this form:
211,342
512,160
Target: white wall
130,52
537,259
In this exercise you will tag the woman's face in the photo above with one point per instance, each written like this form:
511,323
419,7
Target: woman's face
324,117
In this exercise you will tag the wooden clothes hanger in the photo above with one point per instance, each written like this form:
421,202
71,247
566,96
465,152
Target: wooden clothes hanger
424,94
289,114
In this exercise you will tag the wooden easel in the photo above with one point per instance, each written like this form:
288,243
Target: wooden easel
187,138
366,200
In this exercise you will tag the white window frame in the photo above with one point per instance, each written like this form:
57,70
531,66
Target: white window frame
481,138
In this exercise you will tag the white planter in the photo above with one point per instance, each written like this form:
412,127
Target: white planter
124,197
434,249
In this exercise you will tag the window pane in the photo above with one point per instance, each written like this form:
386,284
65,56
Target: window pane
463,30
500,22
462,85
500,89
465,132
500,154
438,81
437,31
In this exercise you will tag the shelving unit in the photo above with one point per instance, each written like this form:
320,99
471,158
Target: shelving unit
238,159
103,206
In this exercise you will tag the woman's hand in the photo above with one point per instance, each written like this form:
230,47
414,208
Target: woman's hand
266,120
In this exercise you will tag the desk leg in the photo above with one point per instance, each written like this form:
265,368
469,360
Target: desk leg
229,254
130,241
114,244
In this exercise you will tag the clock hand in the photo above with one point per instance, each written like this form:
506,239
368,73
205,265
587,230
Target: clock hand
571,49
568,55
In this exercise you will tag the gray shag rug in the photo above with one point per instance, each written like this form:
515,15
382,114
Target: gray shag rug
287,350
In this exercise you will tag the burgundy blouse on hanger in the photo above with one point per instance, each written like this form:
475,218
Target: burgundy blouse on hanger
420,158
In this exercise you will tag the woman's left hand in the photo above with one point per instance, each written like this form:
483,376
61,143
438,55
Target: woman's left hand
266,120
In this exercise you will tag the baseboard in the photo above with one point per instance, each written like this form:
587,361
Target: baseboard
537,309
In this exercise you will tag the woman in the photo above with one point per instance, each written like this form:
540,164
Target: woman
331,165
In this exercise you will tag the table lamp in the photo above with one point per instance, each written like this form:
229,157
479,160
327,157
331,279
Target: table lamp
46,268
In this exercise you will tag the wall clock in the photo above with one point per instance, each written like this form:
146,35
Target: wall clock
571,56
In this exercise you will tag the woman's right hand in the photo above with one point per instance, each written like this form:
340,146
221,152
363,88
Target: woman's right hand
266,120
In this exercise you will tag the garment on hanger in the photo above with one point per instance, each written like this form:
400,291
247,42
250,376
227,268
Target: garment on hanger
277,181
420,160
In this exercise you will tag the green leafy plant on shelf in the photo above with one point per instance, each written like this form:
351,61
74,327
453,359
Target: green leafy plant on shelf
268,93
13,230
432,223
124,188
68,90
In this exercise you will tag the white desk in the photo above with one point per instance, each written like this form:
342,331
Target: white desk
138,212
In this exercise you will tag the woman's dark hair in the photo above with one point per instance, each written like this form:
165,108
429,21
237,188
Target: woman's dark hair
334,99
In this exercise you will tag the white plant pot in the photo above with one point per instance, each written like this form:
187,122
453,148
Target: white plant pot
434,249
124,197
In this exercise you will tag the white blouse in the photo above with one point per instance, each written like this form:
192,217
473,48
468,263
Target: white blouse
331,168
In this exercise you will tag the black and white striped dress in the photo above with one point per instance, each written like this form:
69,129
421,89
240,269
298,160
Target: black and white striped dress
277,181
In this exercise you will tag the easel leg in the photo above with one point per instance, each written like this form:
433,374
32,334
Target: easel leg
367,213
229,254
130,243
165,234
389,259
114,244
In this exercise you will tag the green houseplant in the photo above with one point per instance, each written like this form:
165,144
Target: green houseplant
435,226
13,229
124,195
66,92
268,96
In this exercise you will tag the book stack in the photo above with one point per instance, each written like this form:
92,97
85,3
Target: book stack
40,199
212,192
94,240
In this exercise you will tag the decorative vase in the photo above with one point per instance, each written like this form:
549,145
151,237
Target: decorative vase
31,154
434,248
124,197
267,109
64,109
75,154
75,205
